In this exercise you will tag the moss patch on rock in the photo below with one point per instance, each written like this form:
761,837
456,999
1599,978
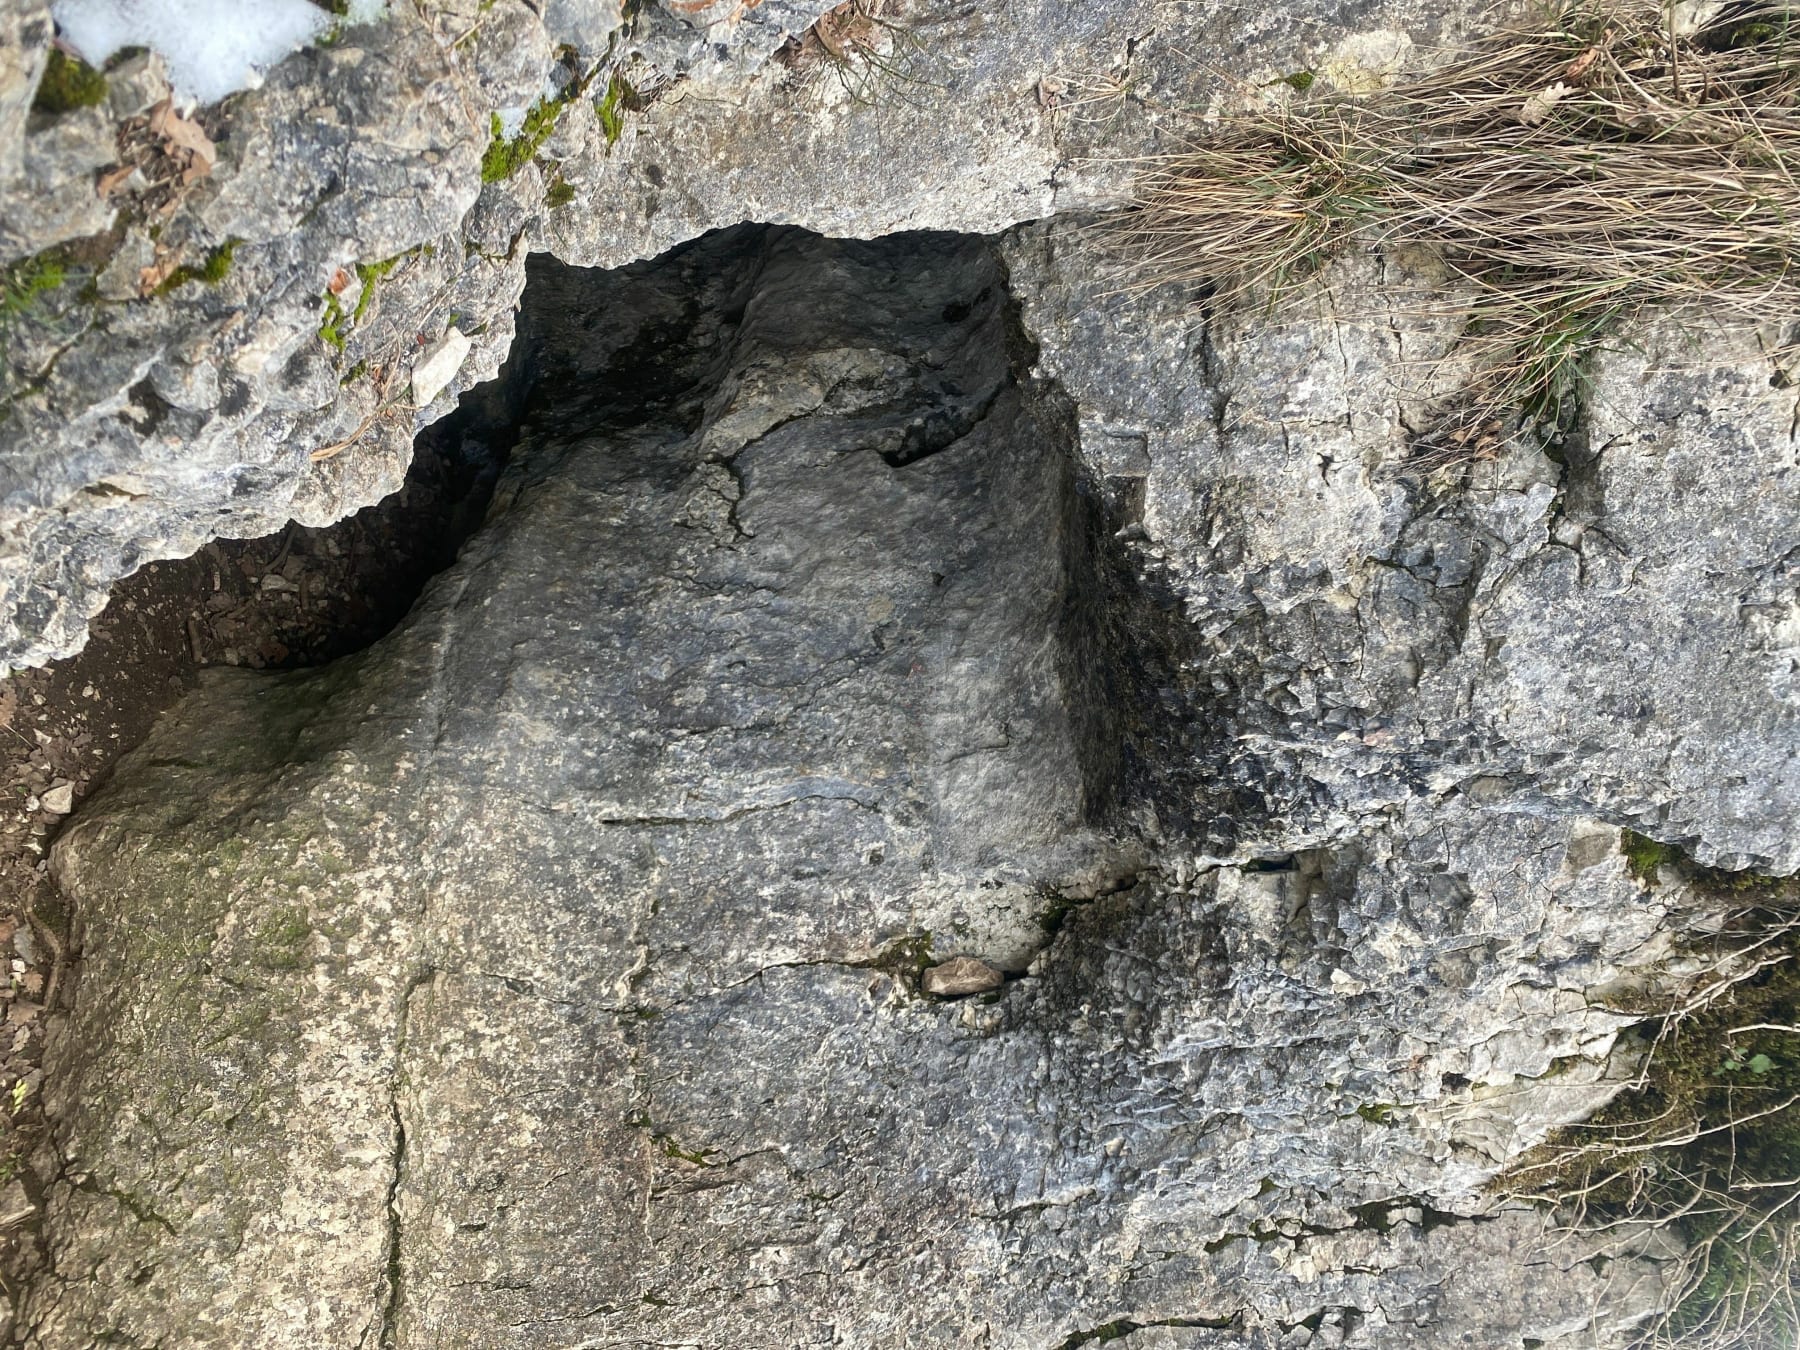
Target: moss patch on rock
505,156
69,83
215,268
22,283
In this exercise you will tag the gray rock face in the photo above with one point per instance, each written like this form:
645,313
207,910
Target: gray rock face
371,214
1612,635
550,974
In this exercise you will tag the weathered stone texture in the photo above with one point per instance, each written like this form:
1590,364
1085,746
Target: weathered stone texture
549,975
137,427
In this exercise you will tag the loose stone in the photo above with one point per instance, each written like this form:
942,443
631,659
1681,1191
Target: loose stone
961,975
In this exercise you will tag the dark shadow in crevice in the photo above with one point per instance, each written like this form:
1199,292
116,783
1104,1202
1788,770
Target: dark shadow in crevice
648,345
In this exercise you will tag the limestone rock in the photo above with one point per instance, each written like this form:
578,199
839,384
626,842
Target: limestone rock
377,154
526,980
484,988
437,366
1613,634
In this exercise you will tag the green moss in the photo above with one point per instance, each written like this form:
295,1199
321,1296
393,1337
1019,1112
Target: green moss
281,940
673,1149
1298,80
1377,1113
209,273
331,327
24,281
69,83
611,109
369,274
561,193
504,157
1644,857
907,958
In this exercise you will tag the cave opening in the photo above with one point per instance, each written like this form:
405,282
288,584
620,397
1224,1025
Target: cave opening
905,345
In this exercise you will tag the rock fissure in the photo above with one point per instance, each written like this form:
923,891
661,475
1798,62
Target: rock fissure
383,1331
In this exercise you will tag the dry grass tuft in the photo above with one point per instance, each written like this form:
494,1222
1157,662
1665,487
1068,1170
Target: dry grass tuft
867,47
1616,157
1704,1144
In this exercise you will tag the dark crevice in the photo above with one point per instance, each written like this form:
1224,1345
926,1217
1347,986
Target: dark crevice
1120,1328
386,1326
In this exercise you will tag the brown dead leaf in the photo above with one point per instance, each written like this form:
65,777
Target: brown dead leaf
9,704
182,134
149,278
339,280
111,180
1585,62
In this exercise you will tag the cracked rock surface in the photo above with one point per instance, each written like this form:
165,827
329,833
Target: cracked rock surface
359,207
549,975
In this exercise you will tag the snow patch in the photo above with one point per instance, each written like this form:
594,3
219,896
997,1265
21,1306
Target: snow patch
212,47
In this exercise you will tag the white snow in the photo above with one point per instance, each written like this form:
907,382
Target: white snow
212,47
365,11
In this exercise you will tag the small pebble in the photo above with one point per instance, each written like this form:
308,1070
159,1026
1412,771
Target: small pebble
961,975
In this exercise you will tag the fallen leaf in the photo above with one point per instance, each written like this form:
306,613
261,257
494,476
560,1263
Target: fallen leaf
149,278
182,134
1585,62
1537,107
112,179
339,280
1688,17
